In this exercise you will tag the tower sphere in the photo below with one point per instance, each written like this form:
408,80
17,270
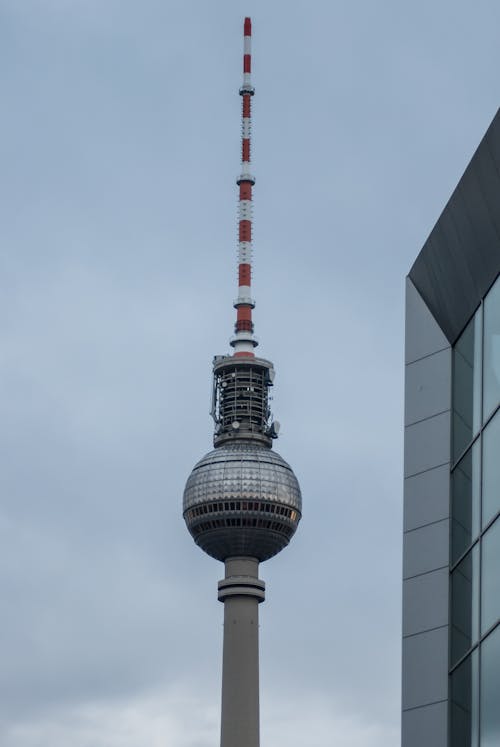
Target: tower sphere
242,499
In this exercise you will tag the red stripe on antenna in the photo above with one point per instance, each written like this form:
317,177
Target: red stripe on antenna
244,274
247,27
245,191
246,105
244,314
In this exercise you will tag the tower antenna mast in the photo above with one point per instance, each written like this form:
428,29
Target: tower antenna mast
244,341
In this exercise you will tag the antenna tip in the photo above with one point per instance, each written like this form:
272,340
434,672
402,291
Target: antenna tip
248,27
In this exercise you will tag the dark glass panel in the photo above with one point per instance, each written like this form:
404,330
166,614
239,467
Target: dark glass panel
490,690
491,396
464,703
467,385
464,605
491,469
465,501
490,578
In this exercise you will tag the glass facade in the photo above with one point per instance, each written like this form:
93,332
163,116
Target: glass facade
475,531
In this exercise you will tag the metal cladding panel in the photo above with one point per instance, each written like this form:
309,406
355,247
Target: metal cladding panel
427,444
426,524
425,726
425,602
425,668
461,258
427,386
427,497
242,471
426,549
423,336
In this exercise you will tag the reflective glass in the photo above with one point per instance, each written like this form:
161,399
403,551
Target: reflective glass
491,469
467,385
465,501
491,395
490,690
464,703
490,578
465,605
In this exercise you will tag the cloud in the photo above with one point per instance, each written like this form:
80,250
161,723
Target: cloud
185,717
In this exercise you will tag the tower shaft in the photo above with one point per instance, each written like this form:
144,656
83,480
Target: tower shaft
241,591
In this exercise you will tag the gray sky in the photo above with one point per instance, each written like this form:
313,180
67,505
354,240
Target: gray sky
119,150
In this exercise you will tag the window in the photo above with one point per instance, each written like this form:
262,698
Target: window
491,394
491,469
490,687
467,385
475,531
465,605
490,578
465,483
464,703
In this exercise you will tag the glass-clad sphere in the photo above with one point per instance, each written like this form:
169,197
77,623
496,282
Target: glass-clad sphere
242,499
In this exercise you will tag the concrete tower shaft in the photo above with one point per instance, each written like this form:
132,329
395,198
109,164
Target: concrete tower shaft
241,591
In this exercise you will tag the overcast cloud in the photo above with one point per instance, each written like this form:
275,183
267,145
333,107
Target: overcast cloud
119,148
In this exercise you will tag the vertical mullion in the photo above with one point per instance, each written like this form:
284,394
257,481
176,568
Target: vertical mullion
480,541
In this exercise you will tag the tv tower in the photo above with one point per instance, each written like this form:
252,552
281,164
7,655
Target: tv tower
242,501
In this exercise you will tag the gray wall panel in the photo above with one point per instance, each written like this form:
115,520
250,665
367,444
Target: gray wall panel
427,497
427,444
425,602
426,524
427,386
423,336
426,549
426,727
425,668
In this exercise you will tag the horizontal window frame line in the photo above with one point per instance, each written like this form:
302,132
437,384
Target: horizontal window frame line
490,417
476,540
427,630
425,705
465,656
423,471
425,573
464,554
478,435
429,524
429,417
490,630
430,469
429,355
470,444
474,647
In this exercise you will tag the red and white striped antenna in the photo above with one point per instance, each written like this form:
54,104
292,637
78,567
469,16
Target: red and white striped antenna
243,341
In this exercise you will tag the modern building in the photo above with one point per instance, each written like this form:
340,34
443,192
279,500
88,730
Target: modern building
242,502
451,557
